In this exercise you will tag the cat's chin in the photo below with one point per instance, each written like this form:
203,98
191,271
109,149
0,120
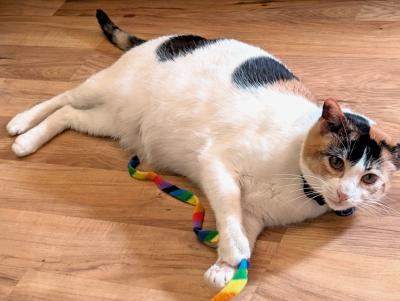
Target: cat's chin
338,206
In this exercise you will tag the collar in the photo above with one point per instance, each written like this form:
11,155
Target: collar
314,195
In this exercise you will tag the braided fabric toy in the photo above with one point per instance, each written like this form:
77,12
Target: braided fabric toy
208,237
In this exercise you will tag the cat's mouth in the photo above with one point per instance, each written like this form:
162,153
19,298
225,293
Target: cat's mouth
334,205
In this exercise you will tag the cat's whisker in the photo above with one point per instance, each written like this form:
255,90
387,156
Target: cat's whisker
375,208
298,197
298,180
381,209
301,194
367,206
301,177
389,209
301,189
298,176
389,198
289,185
364,210
298,184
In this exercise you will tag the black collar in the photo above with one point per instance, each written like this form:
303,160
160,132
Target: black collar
314,195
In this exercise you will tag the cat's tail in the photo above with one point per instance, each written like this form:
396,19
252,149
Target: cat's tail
114,34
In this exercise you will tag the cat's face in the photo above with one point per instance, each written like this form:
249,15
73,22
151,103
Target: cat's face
347,159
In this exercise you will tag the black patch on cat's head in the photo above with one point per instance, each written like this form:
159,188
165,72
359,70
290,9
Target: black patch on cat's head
260,71
358,123
353,140
181,46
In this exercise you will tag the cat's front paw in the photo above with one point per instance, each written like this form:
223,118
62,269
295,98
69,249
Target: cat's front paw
219,274
19,124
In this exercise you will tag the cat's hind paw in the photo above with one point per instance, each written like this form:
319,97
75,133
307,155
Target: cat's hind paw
23,146
19,124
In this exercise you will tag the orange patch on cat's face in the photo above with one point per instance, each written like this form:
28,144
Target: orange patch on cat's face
314,146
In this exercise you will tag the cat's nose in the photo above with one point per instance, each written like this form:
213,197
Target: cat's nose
342,197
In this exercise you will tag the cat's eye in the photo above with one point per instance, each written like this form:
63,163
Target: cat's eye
369,178
336,162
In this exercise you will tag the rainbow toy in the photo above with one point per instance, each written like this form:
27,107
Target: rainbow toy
208,237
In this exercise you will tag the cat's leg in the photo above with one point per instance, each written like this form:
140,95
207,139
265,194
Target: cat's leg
95,121
84,96
223,192
220,273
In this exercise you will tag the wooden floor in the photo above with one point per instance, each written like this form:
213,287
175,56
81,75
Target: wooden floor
74,226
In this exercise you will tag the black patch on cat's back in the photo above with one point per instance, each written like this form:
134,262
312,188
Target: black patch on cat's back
260,71
181,46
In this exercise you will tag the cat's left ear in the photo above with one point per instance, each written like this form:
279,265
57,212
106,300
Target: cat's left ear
332,116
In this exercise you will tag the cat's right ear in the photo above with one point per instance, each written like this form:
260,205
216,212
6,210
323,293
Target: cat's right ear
396,156
332,117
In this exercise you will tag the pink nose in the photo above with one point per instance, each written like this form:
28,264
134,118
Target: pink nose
342,197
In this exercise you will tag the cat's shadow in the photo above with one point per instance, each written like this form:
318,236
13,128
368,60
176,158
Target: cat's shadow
296,246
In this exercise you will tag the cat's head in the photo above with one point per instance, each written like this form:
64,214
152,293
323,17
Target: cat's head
347,160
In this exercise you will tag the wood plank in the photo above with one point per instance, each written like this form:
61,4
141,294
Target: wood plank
172,261
79,32
304,9
28,62
20,94
379,11
300,38
321,35
10,275
29,8
332,259
355,82
113,252
93,193
51,286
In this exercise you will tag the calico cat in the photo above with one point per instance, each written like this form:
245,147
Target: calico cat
236,121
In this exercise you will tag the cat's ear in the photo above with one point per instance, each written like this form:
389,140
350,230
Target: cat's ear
332,116
396,156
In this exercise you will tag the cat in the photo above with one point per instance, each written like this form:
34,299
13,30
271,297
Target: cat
233,119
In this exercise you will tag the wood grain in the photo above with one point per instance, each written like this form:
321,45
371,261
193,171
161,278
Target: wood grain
326,262
380,11
74,226
29,8
49,286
